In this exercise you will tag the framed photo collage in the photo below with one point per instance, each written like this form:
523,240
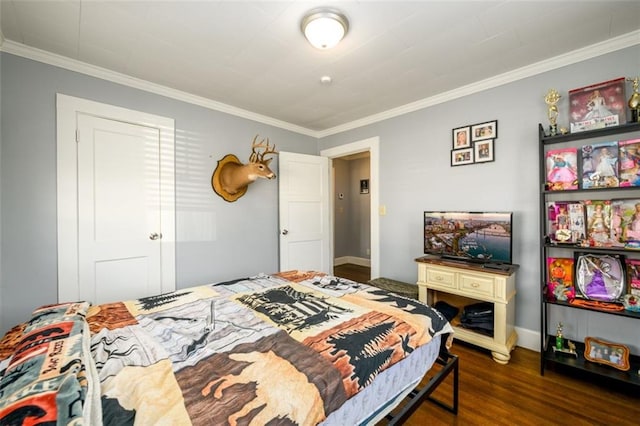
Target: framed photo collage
474,143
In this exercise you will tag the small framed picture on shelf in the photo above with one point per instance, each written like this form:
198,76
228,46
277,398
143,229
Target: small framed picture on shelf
460,157
629,165
562,169
598,106
600,165
461,137
483,151
607,353
484,131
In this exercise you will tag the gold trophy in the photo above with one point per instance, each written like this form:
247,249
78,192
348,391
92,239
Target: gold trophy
634,100
552,99
559,343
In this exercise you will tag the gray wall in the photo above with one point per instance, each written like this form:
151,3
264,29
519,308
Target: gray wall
352,218
216,240
341,213
415,171
360,209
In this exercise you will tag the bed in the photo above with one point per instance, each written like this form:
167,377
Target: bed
297,347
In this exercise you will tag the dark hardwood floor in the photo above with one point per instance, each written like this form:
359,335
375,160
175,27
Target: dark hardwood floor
361,274
516,393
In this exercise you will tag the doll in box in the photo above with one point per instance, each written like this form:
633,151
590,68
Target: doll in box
600,277
560,286
561,169
600,165
629,151
599,223
632,230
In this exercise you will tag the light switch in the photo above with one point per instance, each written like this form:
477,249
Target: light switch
382,210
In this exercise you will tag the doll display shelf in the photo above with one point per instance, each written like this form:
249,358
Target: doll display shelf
617,317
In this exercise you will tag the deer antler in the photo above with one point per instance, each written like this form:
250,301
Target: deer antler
258,157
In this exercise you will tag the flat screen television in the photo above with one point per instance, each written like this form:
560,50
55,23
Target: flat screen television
483,237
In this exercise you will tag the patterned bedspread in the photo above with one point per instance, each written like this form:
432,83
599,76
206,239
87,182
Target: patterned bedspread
288,348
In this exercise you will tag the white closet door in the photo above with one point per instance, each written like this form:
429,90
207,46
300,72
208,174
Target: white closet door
119,210
116,202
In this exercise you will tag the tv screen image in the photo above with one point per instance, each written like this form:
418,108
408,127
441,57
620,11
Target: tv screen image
472,236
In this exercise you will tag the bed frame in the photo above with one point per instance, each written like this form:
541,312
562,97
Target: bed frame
417,396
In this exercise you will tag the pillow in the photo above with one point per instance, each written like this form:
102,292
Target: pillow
51,313
42,315
45,376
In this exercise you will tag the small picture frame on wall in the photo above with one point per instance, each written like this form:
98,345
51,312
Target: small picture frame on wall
483,151
460,157
607,353
364,186
484,131
461,137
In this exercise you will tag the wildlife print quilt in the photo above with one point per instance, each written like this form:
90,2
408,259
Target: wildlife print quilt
288,348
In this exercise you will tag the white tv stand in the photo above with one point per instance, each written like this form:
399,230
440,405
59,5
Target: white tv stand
459,284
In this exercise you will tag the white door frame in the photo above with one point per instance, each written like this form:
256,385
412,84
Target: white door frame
68,108
373,146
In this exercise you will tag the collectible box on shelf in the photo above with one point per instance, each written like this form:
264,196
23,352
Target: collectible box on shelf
600,165
599,223
566,222
633,275
625,222
598,106
600,277
629,162
562,169
560,284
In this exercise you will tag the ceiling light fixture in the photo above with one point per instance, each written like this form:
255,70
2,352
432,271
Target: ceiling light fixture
326,79
324,27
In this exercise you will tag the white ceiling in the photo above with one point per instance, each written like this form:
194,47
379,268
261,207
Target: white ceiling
250,56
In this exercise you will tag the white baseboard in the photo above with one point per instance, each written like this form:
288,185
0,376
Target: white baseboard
528,339
360,261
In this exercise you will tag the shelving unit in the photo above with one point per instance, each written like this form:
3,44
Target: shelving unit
550,249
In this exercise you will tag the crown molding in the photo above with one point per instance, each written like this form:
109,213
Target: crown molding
592,51
60,61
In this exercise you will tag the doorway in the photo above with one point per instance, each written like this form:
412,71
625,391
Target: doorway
360,149
351,214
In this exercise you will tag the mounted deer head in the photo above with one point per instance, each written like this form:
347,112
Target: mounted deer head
231,178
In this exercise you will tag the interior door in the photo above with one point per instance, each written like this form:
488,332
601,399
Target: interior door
119,213
305,237
116,202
